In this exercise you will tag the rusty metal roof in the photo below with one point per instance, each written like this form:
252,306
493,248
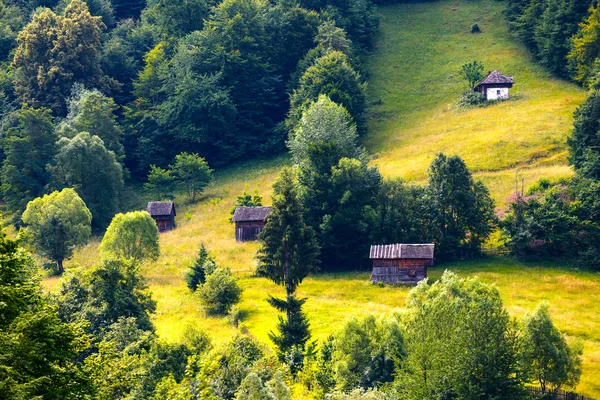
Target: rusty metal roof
400,250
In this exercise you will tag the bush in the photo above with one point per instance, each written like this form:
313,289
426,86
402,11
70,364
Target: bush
220,292
475,29
471,99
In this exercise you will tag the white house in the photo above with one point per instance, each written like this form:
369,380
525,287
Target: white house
495,86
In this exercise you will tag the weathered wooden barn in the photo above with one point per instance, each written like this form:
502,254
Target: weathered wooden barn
495,86
249,222
163,212
397,263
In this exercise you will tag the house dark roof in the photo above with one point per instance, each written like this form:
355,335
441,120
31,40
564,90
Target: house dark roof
244,214
396,251
156,208
495,78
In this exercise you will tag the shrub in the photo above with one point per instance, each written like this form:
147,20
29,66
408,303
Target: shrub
471,99
220,292
475,29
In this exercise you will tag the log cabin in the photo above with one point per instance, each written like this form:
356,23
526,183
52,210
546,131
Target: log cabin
401,263
163,212
249,222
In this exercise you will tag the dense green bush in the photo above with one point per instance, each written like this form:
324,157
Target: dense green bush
471,99
220,292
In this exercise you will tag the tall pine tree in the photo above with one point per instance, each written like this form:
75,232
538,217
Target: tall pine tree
288,254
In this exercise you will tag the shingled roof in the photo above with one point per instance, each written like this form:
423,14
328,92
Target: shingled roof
396,251
495,78
245,214
156,208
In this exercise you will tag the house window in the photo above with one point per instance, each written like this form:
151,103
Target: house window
498,92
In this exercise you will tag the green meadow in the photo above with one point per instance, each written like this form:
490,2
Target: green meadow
413,85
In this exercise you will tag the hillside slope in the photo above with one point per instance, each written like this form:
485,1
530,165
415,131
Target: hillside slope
414,84
413,71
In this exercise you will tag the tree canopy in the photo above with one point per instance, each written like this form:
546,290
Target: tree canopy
133,235
57,224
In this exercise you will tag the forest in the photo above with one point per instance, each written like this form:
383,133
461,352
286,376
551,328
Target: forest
106,104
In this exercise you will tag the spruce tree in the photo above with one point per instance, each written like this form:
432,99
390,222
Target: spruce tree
288,254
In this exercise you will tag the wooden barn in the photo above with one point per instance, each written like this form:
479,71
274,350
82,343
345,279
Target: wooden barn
495,86
397,263
249,222
163,212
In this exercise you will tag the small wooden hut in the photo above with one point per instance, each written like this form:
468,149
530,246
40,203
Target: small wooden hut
495,86
249,222
396,263
163,212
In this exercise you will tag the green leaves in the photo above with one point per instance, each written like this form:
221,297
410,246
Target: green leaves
133,235
472,73
549,360
84,164
192,173
29,146
57,224
220,291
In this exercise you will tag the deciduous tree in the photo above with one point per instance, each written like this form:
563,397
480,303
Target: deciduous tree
57,224
192,173
548,359
472,72
84,164
29,146
54,52
132,235
161,183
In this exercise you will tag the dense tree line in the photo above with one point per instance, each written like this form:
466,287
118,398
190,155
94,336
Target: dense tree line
350,206
130,85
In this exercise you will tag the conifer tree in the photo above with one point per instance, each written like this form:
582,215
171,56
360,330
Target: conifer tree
288,254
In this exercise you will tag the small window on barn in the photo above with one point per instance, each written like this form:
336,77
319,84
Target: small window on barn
498,92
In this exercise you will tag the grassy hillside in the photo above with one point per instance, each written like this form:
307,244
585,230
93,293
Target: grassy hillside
414,84
413,72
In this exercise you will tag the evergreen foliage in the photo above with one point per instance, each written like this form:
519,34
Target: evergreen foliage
38,351
203,266
584,143
289,252
57,224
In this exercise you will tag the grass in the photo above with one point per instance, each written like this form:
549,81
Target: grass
413,73
414,84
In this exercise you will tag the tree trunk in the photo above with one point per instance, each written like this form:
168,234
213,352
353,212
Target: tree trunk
288,289
60,268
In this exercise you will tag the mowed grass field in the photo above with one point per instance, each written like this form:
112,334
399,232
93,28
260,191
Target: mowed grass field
413,72
414,84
